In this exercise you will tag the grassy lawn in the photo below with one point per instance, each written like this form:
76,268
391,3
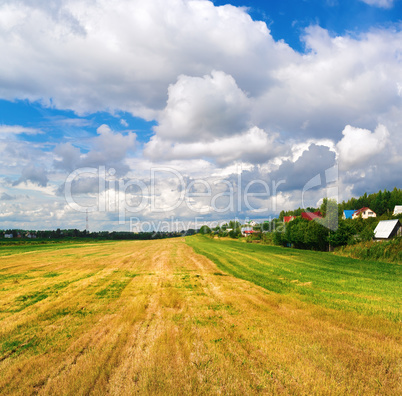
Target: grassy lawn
366,287
156,317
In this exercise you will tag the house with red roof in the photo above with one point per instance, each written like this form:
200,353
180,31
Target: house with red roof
246,231
364,213
311,215
288,219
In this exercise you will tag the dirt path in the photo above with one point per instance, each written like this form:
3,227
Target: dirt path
156,318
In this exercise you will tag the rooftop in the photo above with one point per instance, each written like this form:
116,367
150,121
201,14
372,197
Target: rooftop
385,228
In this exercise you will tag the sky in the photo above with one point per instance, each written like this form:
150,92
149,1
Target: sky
171,114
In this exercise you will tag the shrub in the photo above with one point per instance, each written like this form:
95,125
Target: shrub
390,251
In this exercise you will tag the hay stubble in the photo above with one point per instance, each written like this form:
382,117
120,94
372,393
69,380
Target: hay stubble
153,317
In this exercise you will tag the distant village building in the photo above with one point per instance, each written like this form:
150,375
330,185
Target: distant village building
348,214
305,215
246,231
311,215
398,210
248,228
288,219
8,236
365,213
387,229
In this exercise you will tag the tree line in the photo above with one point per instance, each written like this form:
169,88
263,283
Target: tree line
332,230
326,233
101,235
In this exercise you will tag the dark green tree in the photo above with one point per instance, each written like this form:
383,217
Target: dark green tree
205,230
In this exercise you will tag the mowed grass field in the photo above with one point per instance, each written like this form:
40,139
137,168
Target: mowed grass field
159,317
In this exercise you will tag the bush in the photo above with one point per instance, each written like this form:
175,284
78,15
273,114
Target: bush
390,251
267,238
205,230
279,238
235,233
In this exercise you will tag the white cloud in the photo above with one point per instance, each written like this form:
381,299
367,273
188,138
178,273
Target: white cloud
110,146
314,160
341,80
34,174
108,149
358,145
18,130
379,3
254,146
7,197
68,157
201,109
209,117
124,123
15,155
124,54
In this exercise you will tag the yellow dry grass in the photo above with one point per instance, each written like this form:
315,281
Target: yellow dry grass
155,318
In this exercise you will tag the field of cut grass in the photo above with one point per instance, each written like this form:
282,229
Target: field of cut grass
9,248
157,317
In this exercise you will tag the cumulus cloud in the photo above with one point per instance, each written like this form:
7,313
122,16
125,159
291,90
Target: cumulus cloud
313,161
126,54
358,145
123,55
7,197
85,184
34,174
340,80
201,109
379,3
108,148
372,179
17,157
69,157
209,117
255,146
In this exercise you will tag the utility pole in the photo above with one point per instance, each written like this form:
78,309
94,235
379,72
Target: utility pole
87,223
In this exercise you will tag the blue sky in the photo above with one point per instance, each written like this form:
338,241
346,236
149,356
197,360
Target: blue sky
277,91
288,18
